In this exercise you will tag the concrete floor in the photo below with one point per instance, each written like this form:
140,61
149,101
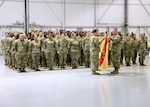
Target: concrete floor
75,88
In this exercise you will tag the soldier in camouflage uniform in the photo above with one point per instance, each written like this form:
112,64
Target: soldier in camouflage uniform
2,45
62,50
142,47
29,53
16,66
115,51
128,49
21,50
50,51
42,57
68,38
13,59
8,47
5,48
122,49
35,50
94,51
134,49
80,54
86,49
56,39
74,49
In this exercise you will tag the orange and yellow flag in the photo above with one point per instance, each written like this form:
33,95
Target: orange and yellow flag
103,54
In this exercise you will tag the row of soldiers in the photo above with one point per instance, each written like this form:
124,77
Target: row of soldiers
48,49
131,47
45,49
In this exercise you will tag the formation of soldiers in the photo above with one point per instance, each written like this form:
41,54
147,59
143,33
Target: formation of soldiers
62,48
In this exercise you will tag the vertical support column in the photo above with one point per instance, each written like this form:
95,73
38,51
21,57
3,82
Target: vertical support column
95,13
126,14
139,32
27,16
26,23
64,14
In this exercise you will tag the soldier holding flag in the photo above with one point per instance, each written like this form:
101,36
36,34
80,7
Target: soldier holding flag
116,50
94,51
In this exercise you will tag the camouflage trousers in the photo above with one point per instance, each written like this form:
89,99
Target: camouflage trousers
122,56
81,57
21,60
142,54
62,59
74,59
50,59
94,60
30,61
134,56
115,55
13,59
8,58
127,57
56,60
68,60
87,58
5,57
36,60
43,60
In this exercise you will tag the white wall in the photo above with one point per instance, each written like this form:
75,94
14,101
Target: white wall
137,14
46,14
10,12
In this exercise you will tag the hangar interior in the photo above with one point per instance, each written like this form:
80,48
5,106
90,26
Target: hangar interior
75,87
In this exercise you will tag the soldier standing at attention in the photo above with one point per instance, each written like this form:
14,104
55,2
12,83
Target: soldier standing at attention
74,49
35,50
127,49
116,51
134,49
12,49
29,53
6,48
79,38
9,49
86,49
56,59
122,49
94,51
68,38
42,56
21,49
50,51
142,46
62,50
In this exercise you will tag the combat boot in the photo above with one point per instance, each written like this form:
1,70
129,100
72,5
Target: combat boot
128,64
134,62
23,70
74,66
95,73
115,71
19,70
62,68
143,64
37,69
50,68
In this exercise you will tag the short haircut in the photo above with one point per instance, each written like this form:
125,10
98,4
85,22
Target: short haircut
116,28
95,30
